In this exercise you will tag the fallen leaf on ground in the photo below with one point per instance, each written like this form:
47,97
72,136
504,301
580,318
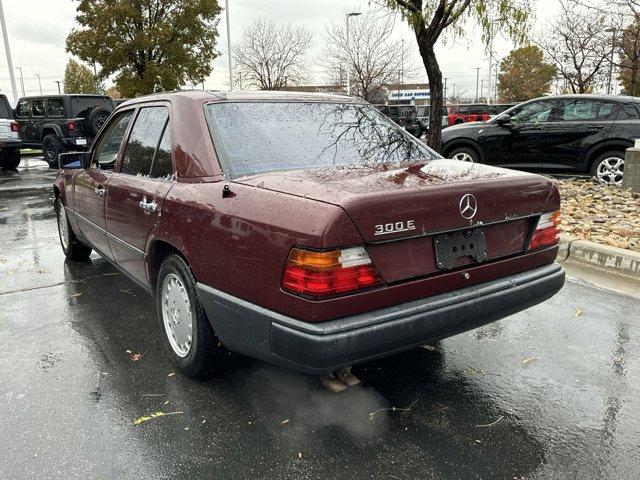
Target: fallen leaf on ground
527,360
286,420
136,357
577,312
146,418
299,454
171,374
75,295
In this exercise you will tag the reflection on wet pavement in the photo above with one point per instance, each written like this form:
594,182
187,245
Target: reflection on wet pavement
72,385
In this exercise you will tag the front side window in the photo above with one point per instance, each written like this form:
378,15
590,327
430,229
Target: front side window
534,112
22,110
143,141
258,137
55,107
106,152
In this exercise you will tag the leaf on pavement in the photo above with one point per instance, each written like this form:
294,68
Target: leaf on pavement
577,312
527,360
153,415
286,420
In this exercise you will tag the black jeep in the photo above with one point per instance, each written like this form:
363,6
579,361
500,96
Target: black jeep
58,123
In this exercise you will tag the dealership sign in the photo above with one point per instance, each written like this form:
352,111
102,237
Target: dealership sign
407,94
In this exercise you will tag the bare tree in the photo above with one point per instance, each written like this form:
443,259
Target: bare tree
578,44
373,59
457,95
271,57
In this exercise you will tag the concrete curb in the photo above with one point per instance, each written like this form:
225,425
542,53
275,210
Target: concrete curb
612,259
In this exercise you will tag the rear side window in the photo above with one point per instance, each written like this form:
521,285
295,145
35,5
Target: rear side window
586,110
143,141
5,108
55,107
534,112
628,112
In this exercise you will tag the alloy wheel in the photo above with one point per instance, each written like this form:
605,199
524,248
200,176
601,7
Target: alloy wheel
63,226
463,157
610,171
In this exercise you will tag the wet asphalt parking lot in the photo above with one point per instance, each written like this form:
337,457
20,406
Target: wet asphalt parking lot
552,392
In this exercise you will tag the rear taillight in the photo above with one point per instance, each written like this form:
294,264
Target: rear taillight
14,126
322,274
547,232
71,124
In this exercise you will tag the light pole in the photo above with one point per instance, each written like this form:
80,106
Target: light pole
348,16
226,11
39,83
21,80
445,90
58,82
5,36
477,81
613,48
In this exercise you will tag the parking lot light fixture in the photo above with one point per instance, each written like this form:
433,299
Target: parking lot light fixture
7,49
348,16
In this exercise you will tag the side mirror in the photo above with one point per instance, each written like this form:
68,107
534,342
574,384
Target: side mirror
72,160
503,120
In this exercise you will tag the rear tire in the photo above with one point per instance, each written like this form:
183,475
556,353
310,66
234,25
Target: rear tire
52,147
608,168
464,154
191,347
96,119
10,159
73,248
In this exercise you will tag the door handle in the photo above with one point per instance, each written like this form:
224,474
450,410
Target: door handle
100,191
151,207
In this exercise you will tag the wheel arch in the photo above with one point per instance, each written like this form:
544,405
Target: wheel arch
159,249
49,129
451,145
609,145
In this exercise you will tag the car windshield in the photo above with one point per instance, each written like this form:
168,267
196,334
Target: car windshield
259,137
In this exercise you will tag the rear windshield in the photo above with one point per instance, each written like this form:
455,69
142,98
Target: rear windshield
259,137
80,105
5,109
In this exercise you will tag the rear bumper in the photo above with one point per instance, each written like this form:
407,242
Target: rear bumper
77,143
10,143
315,348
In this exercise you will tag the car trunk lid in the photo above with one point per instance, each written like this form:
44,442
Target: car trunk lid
401,212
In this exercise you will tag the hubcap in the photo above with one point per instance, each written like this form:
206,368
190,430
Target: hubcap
177,315
610,170
63,227
463,157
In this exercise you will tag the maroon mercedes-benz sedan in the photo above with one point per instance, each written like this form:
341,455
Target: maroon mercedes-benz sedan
303,229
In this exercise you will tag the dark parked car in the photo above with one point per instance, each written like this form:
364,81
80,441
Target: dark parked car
404,115
303,229
9,139
59,123
574,133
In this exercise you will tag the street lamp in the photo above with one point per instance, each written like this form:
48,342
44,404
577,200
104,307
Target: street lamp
39,83
348,16
226,11
613,48
21,80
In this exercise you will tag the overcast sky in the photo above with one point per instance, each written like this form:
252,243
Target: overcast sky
38,28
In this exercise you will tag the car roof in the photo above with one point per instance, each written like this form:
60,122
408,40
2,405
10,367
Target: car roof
595,96
247,95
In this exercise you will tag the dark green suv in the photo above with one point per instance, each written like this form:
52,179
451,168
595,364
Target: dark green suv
59,123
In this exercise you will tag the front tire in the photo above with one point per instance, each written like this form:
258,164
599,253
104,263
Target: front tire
608,168
464,154
51,148
187,334
73,248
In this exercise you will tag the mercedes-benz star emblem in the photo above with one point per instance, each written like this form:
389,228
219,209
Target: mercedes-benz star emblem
468,206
